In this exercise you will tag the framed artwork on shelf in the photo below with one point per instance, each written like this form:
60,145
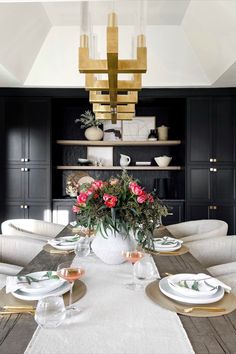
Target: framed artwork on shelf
138,128
112,132
100,156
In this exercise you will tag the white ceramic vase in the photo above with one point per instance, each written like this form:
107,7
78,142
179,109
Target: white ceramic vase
109,249
93,133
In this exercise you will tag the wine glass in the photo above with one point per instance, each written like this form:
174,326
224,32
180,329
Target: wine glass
133,257
70,273
82,247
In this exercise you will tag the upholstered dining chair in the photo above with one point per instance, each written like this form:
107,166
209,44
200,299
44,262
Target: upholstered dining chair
218,255
16,252
35,229
198,229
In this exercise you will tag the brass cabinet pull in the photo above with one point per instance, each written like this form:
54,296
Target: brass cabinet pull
212,207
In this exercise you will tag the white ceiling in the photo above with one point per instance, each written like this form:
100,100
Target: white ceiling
190,42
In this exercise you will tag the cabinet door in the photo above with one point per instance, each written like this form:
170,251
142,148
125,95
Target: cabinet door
14,130
37,184
224,130
37,126
38,211
199,184
197,211
226,213
13,211
223,183
199,135
14,183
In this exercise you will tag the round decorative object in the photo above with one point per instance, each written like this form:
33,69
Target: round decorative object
109,249
72,182
93,133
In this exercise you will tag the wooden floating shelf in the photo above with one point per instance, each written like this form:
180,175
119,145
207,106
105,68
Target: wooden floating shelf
146,168
119,143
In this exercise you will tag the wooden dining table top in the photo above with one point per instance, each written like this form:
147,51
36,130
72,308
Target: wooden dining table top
214,335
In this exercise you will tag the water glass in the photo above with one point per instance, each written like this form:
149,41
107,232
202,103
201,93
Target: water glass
50,312
145,269
82,248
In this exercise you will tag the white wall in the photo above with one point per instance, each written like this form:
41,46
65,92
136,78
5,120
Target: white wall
23,28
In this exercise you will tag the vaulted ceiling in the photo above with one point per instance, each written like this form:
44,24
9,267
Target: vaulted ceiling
191,43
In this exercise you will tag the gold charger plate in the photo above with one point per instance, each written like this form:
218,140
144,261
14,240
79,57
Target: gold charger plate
79,290
179,252
50,249
228,302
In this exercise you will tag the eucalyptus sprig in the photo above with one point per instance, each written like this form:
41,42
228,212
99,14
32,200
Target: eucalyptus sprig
88,119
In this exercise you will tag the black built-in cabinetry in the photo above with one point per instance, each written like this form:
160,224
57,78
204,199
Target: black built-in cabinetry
26,163
210,169
203,188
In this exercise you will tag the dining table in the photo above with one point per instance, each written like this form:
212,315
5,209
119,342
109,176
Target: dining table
115,320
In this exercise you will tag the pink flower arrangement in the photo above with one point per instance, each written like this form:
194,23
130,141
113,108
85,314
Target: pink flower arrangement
120,204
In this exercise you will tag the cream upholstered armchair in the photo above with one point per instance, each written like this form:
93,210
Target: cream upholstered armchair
16,252
198,229
35,229
219,256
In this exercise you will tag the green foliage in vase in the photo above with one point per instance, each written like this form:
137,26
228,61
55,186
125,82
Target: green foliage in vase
88,119
119,204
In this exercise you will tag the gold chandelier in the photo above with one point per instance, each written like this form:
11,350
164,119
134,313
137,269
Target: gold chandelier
113,99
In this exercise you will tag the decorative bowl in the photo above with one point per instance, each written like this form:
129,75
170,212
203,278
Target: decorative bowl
163,161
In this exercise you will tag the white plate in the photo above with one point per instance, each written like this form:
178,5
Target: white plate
43,286
30,297
64,243
206,289
167,242
168,291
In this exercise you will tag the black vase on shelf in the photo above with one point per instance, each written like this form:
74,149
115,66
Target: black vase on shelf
161,187
152,135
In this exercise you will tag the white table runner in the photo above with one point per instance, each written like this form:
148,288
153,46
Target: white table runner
114,320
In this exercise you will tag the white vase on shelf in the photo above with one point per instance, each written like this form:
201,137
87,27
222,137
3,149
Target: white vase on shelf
93,133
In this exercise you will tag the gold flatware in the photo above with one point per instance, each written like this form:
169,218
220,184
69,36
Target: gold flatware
18,307
12,312
203,308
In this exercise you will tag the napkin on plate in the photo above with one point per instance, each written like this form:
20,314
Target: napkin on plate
212,281
18,282
13,283
167,241
64,241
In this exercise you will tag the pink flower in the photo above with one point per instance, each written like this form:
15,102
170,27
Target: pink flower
82,198
110,200
75,209
97,184
150,198
142,198
135,188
